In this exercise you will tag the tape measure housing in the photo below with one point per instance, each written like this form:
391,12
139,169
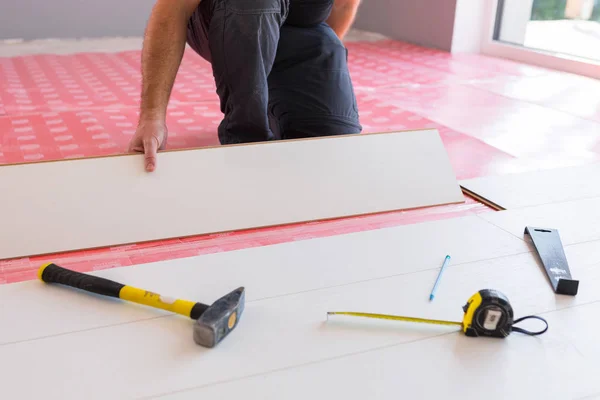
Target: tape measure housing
488,313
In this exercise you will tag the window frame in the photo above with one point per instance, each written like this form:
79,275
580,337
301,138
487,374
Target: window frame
491,46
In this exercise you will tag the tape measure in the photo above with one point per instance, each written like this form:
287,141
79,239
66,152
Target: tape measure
487,313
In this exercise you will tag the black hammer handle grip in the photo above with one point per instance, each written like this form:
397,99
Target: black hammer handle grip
52,273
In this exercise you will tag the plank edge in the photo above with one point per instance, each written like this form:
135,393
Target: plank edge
481,199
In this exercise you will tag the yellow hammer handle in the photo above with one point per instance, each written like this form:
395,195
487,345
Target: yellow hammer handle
141,296
52,273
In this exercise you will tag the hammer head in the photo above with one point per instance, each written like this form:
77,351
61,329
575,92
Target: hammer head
220,318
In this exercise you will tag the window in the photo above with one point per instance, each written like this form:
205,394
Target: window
559,34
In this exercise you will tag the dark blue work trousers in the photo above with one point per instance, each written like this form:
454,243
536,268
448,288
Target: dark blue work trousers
280,71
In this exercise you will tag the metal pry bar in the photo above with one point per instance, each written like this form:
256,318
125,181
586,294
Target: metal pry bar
550,251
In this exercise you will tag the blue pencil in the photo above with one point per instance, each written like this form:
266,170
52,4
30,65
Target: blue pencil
437,281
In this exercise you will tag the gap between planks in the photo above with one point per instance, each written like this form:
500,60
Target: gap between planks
481,199
502,229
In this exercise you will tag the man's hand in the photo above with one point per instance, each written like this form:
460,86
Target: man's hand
342,16
164,45
149,137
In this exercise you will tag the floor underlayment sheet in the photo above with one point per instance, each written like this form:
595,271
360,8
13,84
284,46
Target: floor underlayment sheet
494,116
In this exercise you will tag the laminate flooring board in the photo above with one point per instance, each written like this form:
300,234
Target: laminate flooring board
538,187
266,272
577,221
561,364
94,202
158,356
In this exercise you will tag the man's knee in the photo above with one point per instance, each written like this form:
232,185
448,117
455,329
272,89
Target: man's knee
310,88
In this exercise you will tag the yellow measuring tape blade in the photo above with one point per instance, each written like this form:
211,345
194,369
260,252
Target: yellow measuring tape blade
397,318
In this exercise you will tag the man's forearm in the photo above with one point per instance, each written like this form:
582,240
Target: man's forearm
164,45
342,16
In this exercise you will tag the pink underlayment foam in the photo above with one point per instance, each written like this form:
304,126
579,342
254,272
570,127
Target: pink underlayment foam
81,105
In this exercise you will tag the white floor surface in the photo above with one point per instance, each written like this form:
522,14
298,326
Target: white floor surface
82,346
537,187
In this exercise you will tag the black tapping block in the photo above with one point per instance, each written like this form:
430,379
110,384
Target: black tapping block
550,251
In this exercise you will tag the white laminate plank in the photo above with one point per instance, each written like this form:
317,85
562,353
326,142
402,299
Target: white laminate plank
559,365
158,356
267,271
77,204
538,187
577,221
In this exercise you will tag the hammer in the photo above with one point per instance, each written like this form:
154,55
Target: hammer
213,323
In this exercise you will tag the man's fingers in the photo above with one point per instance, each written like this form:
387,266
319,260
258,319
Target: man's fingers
150,149
135,146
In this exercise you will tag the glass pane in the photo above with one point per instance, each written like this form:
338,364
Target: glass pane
570,27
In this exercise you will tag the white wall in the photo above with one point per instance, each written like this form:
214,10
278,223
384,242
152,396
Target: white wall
470,23
37,19
425,22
